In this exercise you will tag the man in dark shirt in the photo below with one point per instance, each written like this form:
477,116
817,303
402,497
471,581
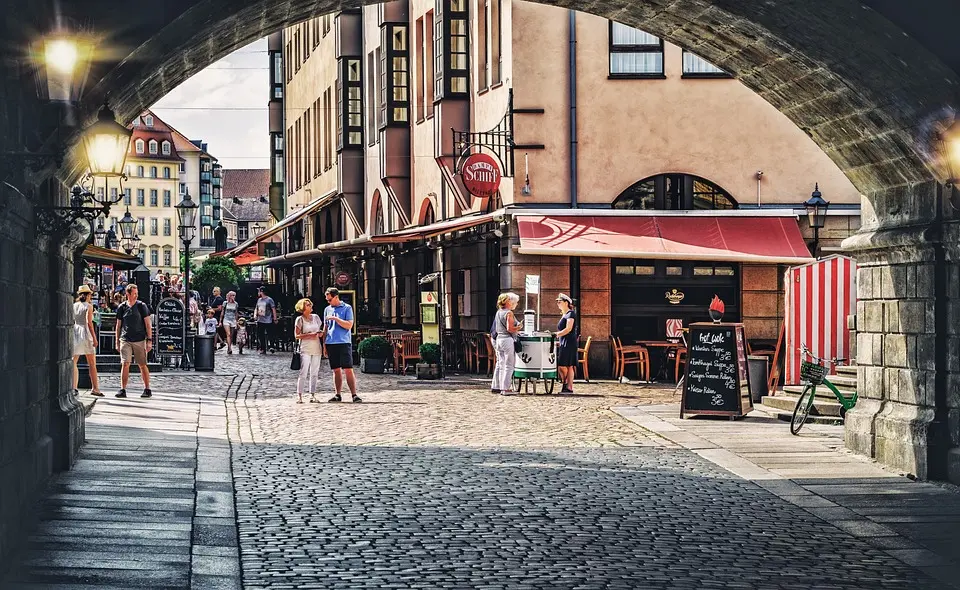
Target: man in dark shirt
215,303
134,339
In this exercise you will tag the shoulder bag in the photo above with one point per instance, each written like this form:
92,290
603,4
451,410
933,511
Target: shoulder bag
295,361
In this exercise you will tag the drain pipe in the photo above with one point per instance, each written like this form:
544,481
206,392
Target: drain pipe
573,108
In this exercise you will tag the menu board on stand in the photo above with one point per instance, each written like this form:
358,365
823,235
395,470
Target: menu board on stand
716,381
170,327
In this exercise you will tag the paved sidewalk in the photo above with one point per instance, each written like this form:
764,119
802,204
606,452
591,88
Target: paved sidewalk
917,523
149,504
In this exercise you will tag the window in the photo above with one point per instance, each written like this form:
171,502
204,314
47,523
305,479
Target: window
183,188
496,43
153,171
349,95
165,148
438,50
100,193
483,55
287,61
372,79
141,227
243,230
166,226
167,257
634,53
695,66
140,171
166,171
326,24
148,121
428,60
129,171
674,192
154,257
114,195
206,233
166,198
126,197
154,227
140,197
418,106
153,198
381,86
298,50
328,127
153,146
397,77
277,80
183,167
139,145
452,47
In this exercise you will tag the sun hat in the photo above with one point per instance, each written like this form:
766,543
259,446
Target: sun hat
84,289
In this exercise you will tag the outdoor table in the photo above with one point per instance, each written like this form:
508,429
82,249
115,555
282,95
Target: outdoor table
666,345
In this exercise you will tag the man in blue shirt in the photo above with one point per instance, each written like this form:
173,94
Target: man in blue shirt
338,338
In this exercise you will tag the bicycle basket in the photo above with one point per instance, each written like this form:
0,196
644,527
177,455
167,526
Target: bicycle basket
812,372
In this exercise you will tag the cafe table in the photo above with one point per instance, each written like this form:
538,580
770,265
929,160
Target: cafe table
666,346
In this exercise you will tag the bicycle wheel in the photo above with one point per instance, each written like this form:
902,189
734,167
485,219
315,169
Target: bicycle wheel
802,410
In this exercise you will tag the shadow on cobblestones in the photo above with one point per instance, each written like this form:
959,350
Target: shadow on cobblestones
425,517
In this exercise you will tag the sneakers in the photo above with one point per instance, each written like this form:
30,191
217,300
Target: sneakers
122,393
508,392
96,393
335,399
356,399
146,393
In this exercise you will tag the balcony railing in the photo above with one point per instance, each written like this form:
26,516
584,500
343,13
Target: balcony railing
208,242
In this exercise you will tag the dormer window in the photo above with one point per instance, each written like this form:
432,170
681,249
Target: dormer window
153,146
148,121
165,148
136,122
140,146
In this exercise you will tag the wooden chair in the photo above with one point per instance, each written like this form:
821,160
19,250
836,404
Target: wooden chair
583,359
680,358
409,350
634,354
395,340
483,352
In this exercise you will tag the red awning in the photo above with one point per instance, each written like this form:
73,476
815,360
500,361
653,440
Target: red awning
680,237
248,258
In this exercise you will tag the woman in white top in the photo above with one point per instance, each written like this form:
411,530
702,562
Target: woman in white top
85,339
228,318
306,329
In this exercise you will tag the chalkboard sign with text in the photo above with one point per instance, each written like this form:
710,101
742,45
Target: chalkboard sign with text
170,327
716,380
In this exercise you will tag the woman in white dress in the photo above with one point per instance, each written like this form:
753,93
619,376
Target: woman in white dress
306,329
228,318
85,339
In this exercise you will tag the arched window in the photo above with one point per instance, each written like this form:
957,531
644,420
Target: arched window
166,171
153,171
139,145
429,217
674,192
379,227
148,121
140,171
165,148
153,146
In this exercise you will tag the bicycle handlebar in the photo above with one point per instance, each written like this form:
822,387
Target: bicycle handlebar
833,361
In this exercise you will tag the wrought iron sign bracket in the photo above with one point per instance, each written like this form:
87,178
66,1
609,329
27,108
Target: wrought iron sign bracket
497,141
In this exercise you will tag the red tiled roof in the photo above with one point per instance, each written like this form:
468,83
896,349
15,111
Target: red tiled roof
246,183
160,132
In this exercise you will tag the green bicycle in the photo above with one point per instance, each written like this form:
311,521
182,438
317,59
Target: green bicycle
814,374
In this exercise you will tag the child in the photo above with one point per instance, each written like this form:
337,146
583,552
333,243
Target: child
241,335
210,326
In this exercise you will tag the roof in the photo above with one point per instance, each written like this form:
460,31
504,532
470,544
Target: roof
159,131
255,209
245,182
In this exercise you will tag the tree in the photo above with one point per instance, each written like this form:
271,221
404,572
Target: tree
217,271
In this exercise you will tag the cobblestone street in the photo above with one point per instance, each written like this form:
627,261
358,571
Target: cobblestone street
419,487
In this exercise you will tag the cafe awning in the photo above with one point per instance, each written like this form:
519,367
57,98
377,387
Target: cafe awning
105,256
295,216
729,238
249,258
398,237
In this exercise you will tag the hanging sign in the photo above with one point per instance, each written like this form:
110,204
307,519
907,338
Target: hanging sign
481,175
533,284
343,279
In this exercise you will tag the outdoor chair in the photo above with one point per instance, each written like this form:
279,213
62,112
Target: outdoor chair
409,350
482,352
583,359
633,354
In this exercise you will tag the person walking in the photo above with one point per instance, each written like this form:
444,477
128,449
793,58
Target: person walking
566,343
215,302
306,330
506,326
228,318
338,338
266,314
85,339
134,339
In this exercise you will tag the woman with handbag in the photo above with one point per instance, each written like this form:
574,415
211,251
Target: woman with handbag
507,327
306,330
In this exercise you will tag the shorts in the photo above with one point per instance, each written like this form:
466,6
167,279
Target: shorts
567,356
341,356
135,351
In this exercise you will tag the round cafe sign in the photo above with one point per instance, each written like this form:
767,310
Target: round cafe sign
343,279
481,175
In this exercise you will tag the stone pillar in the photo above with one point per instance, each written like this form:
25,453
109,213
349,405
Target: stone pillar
907,318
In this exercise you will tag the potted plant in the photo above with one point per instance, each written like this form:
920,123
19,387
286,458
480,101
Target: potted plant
429,368
374,352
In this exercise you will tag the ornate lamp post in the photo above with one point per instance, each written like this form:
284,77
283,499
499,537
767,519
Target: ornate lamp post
100,235
187,229
816,208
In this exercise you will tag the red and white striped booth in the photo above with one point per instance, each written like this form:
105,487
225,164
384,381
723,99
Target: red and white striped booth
818,298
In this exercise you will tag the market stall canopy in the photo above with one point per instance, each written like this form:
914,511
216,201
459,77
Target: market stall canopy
98,255
729,238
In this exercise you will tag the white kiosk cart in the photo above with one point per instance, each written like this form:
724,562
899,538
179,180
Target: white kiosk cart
537,360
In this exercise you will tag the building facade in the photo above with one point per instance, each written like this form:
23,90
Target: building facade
246,204
635,175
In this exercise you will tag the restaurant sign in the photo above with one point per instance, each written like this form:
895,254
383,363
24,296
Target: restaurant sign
674,296
481,175
342,279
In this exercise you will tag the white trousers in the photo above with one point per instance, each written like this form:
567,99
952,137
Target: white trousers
309,372
506,360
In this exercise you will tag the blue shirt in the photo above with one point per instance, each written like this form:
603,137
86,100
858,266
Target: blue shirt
337,334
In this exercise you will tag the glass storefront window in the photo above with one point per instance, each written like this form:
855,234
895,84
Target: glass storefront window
674,271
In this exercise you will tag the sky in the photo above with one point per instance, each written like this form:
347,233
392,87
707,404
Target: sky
225,105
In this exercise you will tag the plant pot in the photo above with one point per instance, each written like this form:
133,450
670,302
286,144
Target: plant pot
425,371
374,366
716,316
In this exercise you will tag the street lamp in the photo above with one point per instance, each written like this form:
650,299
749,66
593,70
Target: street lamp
100,235
426,280
816,208
257,229
187,229
949,140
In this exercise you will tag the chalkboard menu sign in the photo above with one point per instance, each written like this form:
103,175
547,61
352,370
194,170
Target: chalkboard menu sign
170,327
716,380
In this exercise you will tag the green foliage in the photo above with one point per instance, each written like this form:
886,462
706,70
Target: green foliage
217,271
430,353
374,347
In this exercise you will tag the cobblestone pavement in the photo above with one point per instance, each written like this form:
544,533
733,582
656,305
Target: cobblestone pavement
427,488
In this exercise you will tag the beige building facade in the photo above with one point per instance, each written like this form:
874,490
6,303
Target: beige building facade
600,130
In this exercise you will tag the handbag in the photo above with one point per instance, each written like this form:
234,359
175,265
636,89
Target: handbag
295,361
517,345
